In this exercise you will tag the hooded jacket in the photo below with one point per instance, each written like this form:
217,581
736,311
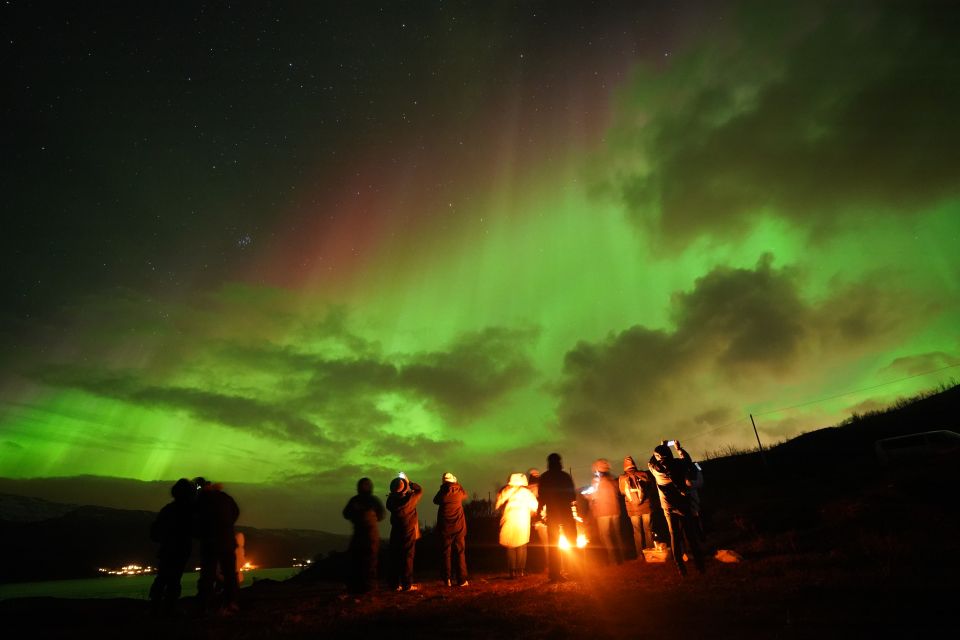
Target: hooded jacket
637,488
404,523
670,478
450,517
364,510
518,504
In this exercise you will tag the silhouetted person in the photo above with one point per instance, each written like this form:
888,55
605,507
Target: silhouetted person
669,474
216,515
694,482
404,531
605,508
639,492
538,528
172,529
518,504
364,510
556,494
452,529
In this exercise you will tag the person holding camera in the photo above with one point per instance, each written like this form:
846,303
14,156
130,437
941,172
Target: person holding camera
670,475
452,528
404,531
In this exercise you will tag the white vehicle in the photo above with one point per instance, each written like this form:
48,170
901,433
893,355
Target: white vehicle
918,446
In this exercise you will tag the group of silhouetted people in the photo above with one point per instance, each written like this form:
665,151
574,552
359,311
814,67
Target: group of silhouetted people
365,510
540,506
203,511
666,492
532,504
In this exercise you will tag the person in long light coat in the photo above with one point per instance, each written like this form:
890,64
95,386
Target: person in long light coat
518,504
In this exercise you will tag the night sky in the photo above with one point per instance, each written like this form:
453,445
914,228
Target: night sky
287,245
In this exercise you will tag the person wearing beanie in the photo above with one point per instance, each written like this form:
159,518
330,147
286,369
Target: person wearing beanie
556,495
365,511
452,529
605,509
404,531
670,475
637,489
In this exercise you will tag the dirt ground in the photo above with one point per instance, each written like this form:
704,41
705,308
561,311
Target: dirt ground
777,597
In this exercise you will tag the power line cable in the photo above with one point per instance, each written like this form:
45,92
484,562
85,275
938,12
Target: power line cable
847,393
804,404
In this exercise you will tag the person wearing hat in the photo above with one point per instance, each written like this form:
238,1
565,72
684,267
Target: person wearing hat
605,509
452,528
365,511
518,504
637,489
670,476
404,531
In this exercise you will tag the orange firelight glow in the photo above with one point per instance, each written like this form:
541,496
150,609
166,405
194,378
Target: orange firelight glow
564,544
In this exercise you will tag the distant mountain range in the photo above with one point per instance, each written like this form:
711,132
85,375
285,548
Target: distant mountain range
47,540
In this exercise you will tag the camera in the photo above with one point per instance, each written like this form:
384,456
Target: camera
401,474
671,443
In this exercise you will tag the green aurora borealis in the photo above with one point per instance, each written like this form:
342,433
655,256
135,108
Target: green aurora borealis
290,249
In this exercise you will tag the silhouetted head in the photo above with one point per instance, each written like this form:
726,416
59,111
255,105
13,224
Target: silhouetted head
629,464
364,485
554,463
183,489
533,476
663,452
398,485
200,482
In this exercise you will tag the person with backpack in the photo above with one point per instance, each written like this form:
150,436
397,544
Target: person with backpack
637,488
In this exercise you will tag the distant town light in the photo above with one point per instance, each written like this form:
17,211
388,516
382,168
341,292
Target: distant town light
127,570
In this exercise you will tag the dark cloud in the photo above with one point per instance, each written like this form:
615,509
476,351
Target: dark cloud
921,363
238,412
411,449
477,370
319,400
737,329
811,112
714,417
